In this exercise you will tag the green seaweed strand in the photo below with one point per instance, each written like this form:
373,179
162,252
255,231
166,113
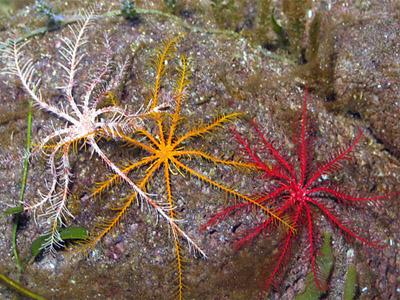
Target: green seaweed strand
325,262
23,188
19,288
28,145
350,284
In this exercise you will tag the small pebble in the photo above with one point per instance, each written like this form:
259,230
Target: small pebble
350,253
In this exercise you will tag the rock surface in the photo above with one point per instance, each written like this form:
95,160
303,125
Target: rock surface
227,74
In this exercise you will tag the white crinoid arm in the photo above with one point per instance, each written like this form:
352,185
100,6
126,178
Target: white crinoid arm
115,82
98,86
177,233
72,57
17,64
52,208
117,121
57,211
46,198
56,134
113,120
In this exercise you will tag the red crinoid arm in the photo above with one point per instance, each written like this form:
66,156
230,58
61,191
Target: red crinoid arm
279,191
312,249
275,153
342,196
334,164
340,225
252,233
285,250
282,256
272,172
223,214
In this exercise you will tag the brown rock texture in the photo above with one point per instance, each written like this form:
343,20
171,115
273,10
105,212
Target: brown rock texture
228,74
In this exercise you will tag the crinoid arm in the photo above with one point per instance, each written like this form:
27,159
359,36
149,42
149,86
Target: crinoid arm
335,163
347,198
207,128
22,67
214,159
285,249
282,161
72,56
163,55
160,209
97,86
115,179
341,226
232,193
223,214
282,258
282,171
304,144
53,203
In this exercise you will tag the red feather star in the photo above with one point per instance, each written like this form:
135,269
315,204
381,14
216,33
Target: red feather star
300,190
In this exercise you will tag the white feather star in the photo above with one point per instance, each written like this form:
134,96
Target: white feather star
84,122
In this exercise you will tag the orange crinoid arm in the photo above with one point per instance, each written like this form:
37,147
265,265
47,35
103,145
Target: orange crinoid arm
166,148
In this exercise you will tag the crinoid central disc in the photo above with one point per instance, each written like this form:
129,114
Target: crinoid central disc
165,152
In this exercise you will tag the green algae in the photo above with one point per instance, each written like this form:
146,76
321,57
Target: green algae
350,284
66,234
295,12
53,18
324,263
19,288
128,10
319,68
